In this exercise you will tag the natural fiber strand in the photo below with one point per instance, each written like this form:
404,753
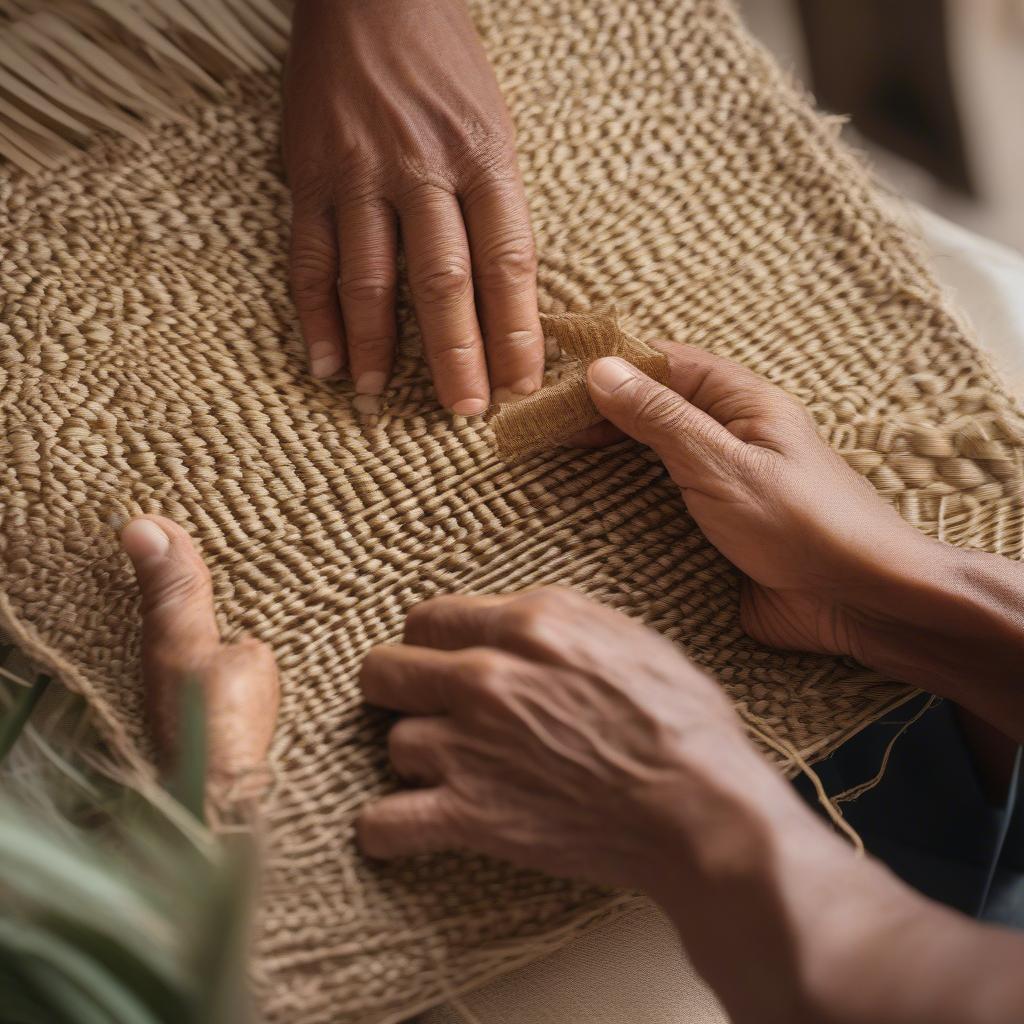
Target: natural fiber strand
760,731
563,408
150,362
69,68
857,791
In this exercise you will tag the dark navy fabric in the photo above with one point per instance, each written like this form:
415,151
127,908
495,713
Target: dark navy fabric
929,818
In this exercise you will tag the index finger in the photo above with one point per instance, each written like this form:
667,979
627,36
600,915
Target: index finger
451,622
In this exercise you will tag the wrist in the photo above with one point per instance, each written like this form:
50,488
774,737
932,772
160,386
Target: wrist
949,620
777,913
753,882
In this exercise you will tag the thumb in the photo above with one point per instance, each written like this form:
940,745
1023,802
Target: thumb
687,440
178,623
180,640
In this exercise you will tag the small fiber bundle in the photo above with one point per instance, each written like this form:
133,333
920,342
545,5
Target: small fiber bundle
552,415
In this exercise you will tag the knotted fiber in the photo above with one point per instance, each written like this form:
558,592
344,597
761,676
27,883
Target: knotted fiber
150,362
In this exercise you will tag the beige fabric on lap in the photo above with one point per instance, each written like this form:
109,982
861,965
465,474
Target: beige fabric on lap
150,362
629,971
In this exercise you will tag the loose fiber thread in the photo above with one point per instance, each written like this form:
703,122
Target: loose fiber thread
764,733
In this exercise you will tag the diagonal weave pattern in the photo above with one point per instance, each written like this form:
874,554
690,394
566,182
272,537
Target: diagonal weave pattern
150,362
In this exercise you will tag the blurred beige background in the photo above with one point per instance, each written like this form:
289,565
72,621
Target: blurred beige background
985,49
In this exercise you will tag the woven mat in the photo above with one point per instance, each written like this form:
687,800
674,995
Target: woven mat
150,362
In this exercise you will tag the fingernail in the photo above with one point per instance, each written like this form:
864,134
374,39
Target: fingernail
371,383
470,407
142,539
610,373
519,390
324,359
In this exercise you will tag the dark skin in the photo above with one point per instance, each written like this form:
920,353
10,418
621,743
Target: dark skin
549,731
395,132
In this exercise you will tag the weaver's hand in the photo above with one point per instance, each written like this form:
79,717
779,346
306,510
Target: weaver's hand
553,732
394,122
180,641
816,542
547,730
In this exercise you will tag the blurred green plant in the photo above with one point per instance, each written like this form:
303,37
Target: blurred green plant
117,904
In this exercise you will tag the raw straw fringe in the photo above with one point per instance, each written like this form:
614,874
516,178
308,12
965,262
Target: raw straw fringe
71,68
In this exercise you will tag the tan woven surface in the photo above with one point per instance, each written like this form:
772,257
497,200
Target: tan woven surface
150,362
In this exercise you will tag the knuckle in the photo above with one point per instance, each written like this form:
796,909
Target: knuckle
178,587
421,613
523,620
510,260
443,283
797,414
246,661
362,178
528,613
457,352
370,290
485,666
755,462
258,653
657,406
313,274
422,189
371,668
421,618
370,834
491,155
368,345
415,621
402,739
515,343
310,187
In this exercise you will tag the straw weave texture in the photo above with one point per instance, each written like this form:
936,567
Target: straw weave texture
150,362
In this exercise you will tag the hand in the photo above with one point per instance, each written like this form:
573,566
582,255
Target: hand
394,121
557,734
562,736
180,641
820,549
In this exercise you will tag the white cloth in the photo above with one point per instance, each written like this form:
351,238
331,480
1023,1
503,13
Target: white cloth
985,280
633,970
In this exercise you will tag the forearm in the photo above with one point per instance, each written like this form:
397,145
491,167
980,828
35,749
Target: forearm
950,621
788,925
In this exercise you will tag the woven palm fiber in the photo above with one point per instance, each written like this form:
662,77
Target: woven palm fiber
150,362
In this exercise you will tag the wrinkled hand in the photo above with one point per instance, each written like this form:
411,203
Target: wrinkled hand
818,546
547,730
394,122
180,641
